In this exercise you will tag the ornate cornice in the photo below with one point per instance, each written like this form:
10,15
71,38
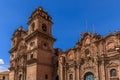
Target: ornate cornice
31,61
98,38
39,12
38,33
13,49
117,56
50,65
114,78
36,17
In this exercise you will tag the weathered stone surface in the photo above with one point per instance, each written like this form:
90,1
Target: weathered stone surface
34,58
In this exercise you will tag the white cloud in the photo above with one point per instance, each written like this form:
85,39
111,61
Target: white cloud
1,61
3,68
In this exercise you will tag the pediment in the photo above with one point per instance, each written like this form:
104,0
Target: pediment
86,39
110,44
112,65
109,36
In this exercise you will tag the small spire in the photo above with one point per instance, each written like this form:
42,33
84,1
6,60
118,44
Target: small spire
93,29
86,26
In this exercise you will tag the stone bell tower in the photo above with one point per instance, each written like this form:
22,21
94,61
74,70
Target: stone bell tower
40,46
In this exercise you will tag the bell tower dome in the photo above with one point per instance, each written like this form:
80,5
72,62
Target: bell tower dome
41,21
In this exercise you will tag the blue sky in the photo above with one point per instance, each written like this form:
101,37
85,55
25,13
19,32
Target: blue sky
69,17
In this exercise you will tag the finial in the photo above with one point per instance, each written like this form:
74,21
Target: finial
40,8
21,28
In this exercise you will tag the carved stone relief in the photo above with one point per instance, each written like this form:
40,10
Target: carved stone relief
71,55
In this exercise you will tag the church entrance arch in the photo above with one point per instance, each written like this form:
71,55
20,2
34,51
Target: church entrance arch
89,76
57,77
20,77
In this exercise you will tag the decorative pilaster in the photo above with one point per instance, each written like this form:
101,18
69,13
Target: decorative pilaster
102,70
77,72
64,73
60,68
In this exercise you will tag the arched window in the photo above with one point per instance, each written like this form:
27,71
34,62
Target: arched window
44,27
32,26
70,77
3,77
31,56
113,72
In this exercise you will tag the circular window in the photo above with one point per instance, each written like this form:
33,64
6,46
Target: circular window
32,44
45,45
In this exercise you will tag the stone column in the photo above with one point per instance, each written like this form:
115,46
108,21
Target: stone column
77,72
119,67
102,71
64,78
80,77
60,68
60,72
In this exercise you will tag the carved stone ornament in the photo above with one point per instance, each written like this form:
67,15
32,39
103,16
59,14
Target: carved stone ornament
22,46
71,55
110,46
60,60
87,53
87,41
112,65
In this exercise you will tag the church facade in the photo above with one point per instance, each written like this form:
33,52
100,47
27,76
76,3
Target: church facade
93,58
32,56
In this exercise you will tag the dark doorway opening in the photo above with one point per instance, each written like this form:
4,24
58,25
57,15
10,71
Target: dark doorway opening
57,77
89,76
